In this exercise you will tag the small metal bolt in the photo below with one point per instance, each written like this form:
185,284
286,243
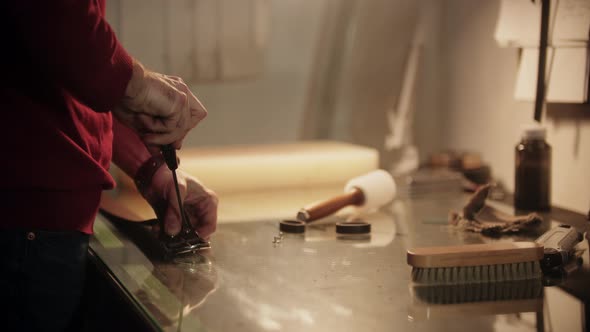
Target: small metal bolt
277,239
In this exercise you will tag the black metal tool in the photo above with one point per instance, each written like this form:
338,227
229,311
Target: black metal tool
188,240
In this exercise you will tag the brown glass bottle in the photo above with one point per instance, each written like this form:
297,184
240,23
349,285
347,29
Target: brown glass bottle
532,174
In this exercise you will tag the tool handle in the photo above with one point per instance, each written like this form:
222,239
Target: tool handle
169,154
322,209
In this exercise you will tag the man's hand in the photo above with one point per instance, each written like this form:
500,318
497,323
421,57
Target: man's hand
199,202
160,108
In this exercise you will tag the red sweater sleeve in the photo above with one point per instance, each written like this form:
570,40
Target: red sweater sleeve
72,42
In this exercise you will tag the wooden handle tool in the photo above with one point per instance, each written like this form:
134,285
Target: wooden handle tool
366,192
325,208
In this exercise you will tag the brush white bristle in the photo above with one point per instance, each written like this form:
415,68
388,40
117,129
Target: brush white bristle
477,274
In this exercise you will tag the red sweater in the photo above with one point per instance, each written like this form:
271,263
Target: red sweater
62,71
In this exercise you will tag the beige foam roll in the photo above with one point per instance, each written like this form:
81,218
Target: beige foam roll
246,168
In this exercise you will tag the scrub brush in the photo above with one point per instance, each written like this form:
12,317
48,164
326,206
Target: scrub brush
494,262
476,263
484,279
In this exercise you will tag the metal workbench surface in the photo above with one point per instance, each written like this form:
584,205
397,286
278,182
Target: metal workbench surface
321,282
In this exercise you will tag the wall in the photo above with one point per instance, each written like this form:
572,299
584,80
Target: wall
464,100
367,74
270,108
267,108
481,114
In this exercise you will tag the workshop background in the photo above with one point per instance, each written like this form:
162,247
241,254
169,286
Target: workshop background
289,70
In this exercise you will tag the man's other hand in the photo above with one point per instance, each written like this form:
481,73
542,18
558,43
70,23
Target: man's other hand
199,202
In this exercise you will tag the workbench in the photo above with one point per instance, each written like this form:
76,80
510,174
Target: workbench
319,281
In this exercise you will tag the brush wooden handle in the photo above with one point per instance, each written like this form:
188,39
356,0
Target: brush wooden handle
475,254
325,208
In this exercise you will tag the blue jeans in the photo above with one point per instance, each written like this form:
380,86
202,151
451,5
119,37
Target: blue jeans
41,278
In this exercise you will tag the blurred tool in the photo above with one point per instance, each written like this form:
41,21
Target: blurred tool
188,240
558,244
476,263
366,192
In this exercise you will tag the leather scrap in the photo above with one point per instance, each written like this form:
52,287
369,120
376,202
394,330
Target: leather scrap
479,218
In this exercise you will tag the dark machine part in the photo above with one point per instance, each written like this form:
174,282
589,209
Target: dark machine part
188,240
292,226
558,243
353,227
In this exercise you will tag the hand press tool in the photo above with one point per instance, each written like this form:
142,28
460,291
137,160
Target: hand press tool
188,240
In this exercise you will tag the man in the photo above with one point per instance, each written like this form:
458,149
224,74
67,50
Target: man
71,97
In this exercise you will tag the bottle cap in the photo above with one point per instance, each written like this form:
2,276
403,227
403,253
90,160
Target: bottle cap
533,131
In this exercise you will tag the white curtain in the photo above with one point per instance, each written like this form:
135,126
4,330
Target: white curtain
199,40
